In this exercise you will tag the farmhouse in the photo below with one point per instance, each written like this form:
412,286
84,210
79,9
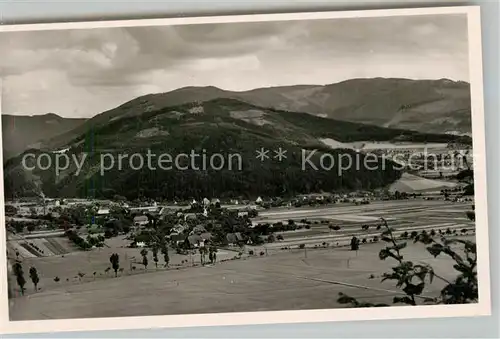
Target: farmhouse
103,211
141,220
234,238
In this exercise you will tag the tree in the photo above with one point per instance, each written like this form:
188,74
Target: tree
17,268
471,215
354,244
33,211
155,255
213,254
30,227
203,252
114,259
164,251
34,277
144,254
18,226
412,278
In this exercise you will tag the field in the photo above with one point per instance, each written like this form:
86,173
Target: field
290,281
411,183
279,279
368,145
406,215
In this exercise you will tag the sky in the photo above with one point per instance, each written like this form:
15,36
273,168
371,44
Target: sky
81,73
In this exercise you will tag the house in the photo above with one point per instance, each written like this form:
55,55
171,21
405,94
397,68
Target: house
150,209
103,211
55,214
198,230
199,240
206,236
189,216
177,238
178,229
141,220
234,238
195,240
169,209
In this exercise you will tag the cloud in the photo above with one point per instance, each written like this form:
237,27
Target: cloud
86,71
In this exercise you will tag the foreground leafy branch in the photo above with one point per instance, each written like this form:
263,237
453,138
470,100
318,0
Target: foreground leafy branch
412,277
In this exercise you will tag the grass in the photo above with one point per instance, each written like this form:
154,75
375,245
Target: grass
282,280
289,281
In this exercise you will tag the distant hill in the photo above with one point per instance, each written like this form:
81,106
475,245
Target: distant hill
431,106
22,132
225,126
434,106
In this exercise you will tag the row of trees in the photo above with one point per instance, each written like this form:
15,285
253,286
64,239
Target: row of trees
18,271
83,244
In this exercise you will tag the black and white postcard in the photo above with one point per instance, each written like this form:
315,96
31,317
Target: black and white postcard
251,169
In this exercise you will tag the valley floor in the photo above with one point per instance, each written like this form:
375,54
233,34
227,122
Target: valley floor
273,279
290,281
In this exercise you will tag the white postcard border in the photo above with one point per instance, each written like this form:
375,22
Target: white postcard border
482,308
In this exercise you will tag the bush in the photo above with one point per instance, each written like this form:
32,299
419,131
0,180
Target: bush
471,215
413,277
354,244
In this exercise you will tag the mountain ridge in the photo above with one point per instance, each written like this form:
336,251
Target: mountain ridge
222,125
20,132
434,106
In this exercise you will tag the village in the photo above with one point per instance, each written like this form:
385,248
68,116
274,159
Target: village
71,241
